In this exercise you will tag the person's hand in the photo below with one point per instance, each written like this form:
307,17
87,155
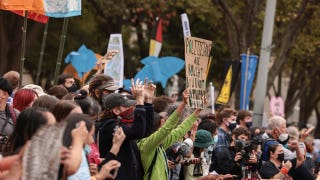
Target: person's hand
171,164
137,90
237,157
149,89
65,155
80,133
93,168
109,170
118,137
253,158
186,95
304,133
287,165
293,144
106,58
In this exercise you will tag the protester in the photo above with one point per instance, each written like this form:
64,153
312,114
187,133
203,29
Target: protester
227,122
277,131
119,109
152,148
24,98
28,122
67,81
276,167
99,85
8,115
203,140
244,119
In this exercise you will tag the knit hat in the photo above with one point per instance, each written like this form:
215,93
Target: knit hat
203,139
5,85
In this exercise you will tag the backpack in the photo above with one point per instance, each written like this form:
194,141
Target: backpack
265,146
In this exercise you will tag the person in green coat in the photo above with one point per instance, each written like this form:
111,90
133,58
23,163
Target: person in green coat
152,148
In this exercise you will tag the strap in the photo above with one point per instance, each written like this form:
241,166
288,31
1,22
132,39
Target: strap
153,162
13,114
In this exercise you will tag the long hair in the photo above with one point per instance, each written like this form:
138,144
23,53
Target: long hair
23,98
28,122
72,120
62,109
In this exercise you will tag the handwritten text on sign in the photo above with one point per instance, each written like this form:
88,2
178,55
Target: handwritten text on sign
197,52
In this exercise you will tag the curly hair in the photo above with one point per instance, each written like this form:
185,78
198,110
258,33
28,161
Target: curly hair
96,82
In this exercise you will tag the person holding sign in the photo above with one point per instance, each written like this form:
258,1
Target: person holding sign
152,148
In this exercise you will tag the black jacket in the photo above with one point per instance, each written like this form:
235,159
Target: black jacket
127,154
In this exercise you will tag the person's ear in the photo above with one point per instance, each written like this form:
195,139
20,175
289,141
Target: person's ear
116,110
97,93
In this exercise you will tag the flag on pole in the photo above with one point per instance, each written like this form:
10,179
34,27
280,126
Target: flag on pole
248,69
40,10
156,39
231,77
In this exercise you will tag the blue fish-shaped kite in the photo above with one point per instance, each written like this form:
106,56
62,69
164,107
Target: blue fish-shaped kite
82,60
157,69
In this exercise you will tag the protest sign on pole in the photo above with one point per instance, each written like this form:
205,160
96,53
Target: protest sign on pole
197,52
185,25
115,67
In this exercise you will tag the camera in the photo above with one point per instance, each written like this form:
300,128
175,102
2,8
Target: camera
245,148
178,150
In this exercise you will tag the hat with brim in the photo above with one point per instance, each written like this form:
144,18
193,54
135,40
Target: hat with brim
113,100
204,139
111,86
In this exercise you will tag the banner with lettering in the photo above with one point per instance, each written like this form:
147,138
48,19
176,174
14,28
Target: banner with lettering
197,52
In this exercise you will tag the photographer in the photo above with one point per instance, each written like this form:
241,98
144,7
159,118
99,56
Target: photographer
198,168
238,158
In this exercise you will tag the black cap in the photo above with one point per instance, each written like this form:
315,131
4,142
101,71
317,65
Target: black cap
5,85
113,100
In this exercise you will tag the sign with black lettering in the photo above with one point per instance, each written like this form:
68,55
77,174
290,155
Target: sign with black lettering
197,52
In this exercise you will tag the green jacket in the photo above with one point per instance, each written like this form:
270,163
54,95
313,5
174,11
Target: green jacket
165,136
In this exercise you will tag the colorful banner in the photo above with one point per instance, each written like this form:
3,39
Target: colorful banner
185,25
276,106
231,77
156,39
51,8
197,53
115,67
248,69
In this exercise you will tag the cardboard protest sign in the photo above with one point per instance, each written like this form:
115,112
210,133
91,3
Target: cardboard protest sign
197,53
115,67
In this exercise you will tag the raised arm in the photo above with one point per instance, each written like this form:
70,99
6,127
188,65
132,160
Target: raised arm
149,90
154,140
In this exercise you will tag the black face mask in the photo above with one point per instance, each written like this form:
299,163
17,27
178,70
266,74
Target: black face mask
72,88
280,157
232,126
249,124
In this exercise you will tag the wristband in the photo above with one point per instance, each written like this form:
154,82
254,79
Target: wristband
284,170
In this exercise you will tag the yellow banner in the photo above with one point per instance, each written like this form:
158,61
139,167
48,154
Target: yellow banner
224,95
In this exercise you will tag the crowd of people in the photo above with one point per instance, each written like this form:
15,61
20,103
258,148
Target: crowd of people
101,131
